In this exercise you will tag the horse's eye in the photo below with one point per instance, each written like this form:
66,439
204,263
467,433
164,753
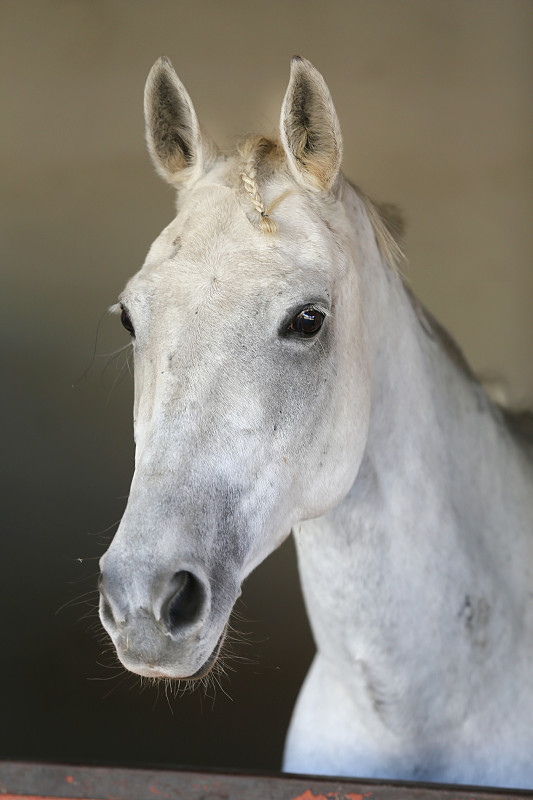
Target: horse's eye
126,321
308,321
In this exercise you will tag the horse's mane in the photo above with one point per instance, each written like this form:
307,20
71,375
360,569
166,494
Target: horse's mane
518,422
388,226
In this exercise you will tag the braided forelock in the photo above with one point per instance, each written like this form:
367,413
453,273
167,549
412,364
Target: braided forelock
254,150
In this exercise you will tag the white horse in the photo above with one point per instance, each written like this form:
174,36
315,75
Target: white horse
286,379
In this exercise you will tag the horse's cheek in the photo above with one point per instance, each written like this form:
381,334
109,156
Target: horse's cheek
349,413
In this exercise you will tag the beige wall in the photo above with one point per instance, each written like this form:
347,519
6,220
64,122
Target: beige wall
435,101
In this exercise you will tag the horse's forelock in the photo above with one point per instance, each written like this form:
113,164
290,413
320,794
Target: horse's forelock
259,157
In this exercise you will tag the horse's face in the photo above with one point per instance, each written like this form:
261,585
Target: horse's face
251,391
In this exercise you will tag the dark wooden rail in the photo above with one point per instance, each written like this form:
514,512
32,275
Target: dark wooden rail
24,781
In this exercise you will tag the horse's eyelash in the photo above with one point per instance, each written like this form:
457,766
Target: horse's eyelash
321,309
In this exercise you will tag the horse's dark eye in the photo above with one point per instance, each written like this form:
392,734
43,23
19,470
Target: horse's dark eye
126,321
308,321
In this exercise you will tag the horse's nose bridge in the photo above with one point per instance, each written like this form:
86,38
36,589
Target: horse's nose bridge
173,415
191,416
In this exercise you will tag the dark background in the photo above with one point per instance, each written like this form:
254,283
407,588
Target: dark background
436,106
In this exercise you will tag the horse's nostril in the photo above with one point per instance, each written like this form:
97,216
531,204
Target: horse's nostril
106,612
186,601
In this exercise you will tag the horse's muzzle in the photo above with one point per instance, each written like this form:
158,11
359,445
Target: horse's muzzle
161,631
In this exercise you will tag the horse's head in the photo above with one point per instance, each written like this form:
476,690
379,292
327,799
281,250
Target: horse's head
251,376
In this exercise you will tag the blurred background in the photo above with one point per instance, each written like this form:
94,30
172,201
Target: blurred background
435,101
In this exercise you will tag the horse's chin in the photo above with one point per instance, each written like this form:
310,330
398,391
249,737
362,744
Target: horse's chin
208,665
159,673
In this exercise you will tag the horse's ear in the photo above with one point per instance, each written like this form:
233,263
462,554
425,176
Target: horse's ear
178,147
309,127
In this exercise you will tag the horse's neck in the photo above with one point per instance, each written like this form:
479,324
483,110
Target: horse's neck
424,563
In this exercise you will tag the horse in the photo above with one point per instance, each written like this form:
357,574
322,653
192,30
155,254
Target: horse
286,379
